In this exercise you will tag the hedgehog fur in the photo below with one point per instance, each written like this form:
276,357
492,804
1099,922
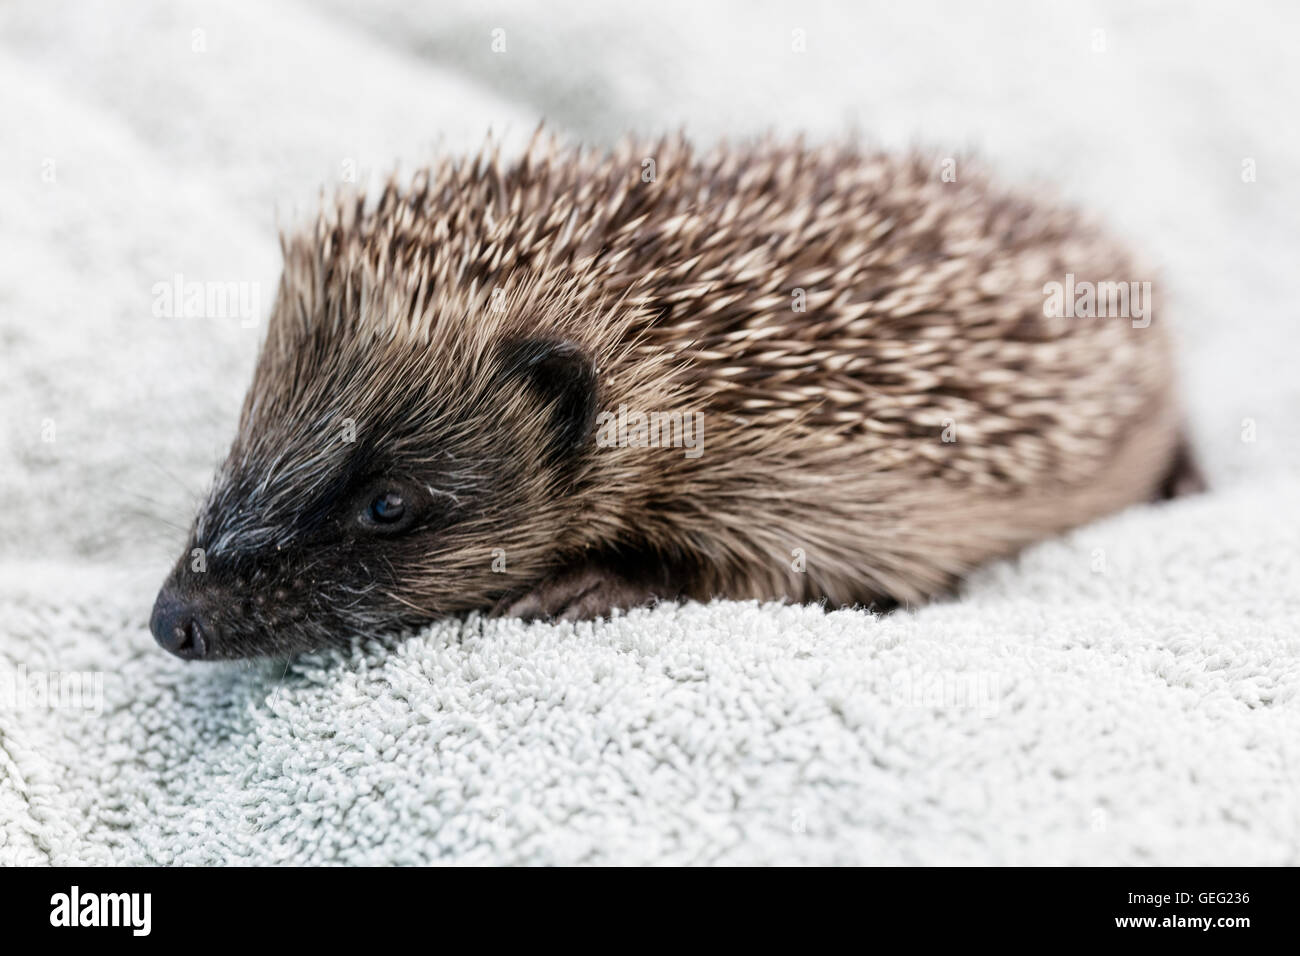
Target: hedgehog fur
456,338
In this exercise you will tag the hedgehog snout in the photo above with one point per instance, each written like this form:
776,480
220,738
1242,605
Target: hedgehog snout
183,625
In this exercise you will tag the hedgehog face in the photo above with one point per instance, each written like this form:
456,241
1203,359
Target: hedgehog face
381,514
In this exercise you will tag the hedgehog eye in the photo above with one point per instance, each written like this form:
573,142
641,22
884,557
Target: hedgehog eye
388,508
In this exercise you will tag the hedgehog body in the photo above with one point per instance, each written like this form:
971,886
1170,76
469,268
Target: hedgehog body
881,400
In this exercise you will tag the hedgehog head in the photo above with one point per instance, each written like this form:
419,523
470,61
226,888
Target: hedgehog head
402,454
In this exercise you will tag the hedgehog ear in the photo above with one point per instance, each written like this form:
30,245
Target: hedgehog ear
564,378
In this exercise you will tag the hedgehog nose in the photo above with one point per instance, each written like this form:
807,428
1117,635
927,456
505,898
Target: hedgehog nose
178,626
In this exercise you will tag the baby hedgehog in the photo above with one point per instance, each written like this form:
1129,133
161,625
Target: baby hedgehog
582,380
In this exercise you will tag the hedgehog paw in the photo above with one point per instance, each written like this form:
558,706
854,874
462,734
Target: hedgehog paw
578,595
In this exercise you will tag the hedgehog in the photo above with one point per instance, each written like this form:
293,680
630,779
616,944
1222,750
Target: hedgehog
578,381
